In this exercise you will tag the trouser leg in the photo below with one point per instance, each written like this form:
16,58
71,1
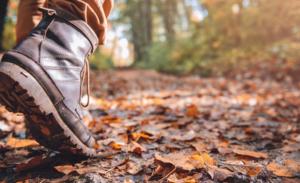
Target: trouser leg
28,17
94,12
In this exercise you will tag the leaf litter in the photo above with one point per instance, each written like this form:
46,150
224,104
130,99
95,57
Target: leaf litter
171,129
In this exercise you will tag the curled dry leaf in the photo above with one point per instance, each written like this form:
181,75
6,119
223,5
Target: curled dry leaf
251,154
185,161
19,143
289,168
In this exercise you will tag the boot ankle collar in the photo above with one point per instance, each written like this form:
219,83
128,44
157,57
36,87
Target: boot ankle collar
82,26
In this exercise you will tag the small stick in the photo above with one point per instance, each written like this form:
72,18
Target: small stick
167,176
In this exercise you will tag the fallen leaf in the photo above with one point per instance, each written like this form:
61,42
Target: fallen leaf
116,146
110,119
85,170
65,169
200,146
290,168
136,148
179,160
244,167
279,170
19,143
253,171
219,174
185,161
174,179
293,165
187,136
202,160
138,136
251,154
133,168
192,111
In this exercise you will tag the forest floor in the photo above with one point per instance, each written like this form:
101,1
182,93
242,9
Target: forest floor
172,129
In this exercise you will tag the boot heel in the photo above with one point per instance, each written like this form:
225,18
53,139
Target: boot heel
20,90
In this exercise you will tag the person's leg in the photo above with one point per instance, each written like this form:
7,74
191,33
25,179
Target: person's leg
28,17
93,12
44,74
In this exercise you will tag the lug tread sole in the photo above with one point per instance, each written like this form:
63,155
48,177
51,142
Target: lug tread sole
44,128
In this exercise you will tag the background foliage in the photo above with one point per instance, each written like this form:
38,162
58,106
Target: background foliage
198,36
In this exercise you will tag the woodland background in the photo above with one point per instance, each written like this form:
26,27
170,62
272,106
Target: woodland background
185,91
205,37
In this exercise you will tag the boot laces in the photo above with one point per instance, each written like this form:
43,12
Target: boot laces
86,76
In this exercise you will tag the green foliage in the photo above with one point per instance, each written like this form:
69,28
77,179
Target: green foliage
232,34
227,40
9,37
100,61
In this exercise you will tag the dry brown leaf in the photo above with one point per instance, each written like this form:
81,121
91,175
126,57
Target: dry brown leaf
136,148
200,146
186,161
253,171
110,119
138,136
219,174
174,179
192,111
128,180
85,170
202,160
19,143
289,168
179,160
251,154
116,146
293,165
34,162
279,170
65,169
244,167
133,168
186,136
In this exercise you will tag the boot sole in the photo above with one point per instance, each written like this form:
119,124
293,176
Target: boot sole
21,92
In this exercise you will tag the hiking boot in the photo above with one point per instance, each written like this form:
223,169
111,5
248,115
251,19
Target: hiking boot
43,77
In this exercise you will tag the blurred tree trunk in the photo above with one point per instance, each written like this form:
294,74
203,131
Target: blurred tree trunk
188,13
140,15
168,11
3,12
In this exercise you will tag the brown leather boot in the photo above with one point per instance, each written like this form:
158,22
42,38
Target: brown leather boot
42,78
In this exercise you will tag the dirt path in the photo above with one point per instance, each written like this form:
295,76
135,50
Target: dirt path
171,129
